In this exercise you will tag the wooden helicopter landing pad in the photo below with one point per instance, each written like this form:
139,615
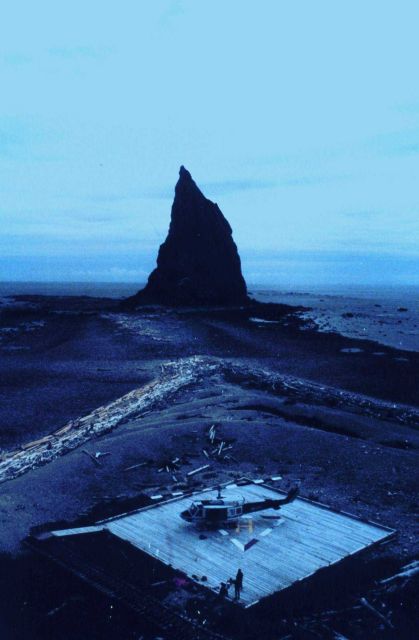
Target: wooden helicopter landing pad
274,549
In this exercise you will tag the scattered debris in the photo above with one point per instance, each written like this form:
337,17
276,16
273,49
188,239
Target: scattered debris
175,375
211,434
178,375
194,471
379,615
99,454
169,465
92,457
135,466
408,571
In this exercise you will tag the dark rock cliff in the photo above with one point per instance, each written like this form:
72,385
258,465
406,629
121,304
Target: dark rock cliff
198,263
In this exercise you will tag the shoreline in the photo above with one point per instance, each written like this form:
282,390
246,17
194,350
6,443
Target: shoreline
176,376
64,357
276,415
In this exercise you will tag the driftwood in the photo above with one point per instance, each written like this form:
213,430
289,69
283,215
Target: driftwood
408,571
92,457
99,454
36,443
194,471
379,615
175,376
211,434
158,584
135,466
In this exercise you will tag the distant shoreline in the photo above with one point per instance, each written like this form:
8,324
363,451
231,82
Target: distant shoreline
386,315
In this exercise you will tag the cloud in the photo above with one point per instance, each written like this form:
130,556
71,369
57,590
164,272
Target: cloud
307,181
80,52
230,186
16,58
408,149
167,193
112,198
400,143
362,214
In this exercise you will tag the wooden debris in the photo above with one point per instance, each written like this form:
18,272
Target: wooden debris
92,457
407,571
99,454
135,466
211,434
176,375
379,615
64,430
36,443
194,471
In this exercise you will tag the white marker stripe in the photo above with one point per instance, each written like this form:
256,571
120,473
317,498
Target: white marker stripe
259,481
265,532
276,478
223,532
156,497
177,493
279,522
238,544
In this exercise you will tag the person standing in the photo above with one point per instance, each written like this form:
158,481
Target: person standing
223,593
238,584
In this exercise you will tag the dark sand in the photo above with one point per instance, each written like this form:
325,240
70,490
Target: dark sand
81,358
364,464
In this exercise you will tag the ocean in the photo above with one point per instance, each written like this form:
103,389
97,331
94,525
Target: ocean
387,315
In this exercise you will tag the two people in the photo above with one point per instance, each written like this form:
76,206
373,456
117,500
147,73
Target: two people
238,586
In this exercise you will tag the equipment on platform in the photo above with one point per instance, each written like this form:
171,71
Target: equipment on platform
221,511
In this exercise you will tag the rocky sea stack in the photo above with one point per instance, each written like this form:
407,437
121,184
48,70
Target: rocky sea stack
198,263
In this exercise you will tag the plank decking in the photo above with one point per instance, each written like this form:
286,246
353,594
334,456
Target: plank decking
273,549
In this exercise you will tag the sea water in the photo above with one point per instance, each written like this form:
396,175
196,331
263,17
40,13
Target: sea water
388,315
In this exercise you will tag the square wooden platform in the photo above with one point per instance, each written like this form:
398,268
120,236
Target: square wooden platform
274,549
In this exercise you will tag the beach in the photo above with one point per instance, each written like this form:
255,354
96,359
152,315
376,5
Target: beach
320,409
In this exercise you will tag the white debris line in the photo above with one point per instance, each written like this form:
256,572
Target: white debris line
175,376
403,414
77,531
237,543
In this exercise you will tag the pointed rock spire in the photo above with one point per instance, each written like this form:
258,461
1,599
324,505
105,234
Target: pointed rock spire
198,263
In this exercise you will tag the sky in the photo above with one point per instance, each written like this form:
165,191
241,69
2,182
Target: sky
299,118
